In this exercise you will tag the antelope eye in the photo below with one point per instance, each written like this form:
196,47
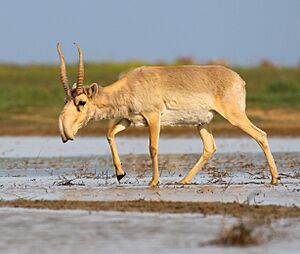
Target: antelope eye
81,103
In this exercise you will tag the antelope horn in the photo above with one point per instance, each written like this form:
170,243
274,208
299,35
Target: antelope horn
63,73
80,76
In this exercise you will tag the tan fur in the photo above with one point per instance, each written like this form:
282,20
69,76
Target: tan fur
154,96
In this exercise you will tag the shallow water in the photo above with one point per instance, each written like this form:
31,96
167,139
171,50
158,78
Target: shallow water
38,168
44,168
226,178
34,231
88,146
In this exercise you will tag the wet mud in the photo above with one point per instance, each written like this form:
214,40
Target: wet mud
207,208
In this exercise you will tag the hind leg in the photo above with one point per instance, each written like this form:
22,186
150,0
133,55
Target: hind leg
153,120
209,147
241,120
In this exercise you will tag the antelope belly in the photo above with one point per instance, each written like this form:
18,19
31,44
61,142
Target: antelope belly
138,120
177,117
186,117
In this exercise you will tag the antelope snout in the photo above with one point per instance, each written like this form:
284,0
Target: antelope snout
65,134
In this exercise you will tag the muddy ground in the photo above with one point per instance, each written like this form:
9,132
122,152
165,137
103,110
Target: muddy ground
206,208
269,120
241,178
221,128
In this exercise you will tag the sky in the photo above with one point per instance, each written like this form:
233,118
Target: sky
244,32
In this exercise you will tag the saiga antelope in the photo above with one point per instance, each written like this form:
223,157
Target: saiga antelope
157,96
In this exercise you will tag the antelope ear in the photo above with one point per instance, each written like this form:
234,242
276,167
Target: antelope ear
93,90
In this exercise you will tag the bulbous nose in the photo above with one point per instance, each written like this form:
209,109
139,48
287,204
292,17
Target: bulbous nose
65,133
69,135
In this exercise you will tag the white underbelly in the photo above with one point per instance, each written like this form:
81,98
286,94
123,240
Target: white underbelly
186,117
177,117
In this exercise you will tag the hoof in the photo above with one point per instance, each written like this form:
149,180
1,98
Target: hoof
275,181
119,177
182,182
153,183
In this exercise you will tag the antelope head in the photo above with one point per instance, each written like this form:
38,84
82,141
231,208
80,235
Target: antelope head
79,102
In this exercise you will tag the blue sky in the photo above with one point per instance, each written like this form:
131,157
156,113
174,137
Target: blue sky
244,32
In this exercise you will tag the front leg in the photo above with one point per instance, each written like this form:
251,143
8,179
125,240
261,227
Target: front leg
117,127
153,120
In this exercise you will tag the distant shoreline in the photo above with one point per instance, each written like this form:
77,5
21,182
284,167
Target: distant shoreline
222,129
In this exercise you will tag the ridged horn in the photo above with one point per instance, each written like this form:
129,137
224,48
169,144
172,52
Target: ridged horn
80,76
63,73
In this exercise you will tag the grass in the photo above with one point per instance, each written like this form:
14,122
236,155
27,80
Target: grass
35,91
272,87
39,85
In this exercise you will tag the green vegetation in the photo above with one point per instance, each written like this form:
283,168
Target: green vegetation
24,89
272,87
39,85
